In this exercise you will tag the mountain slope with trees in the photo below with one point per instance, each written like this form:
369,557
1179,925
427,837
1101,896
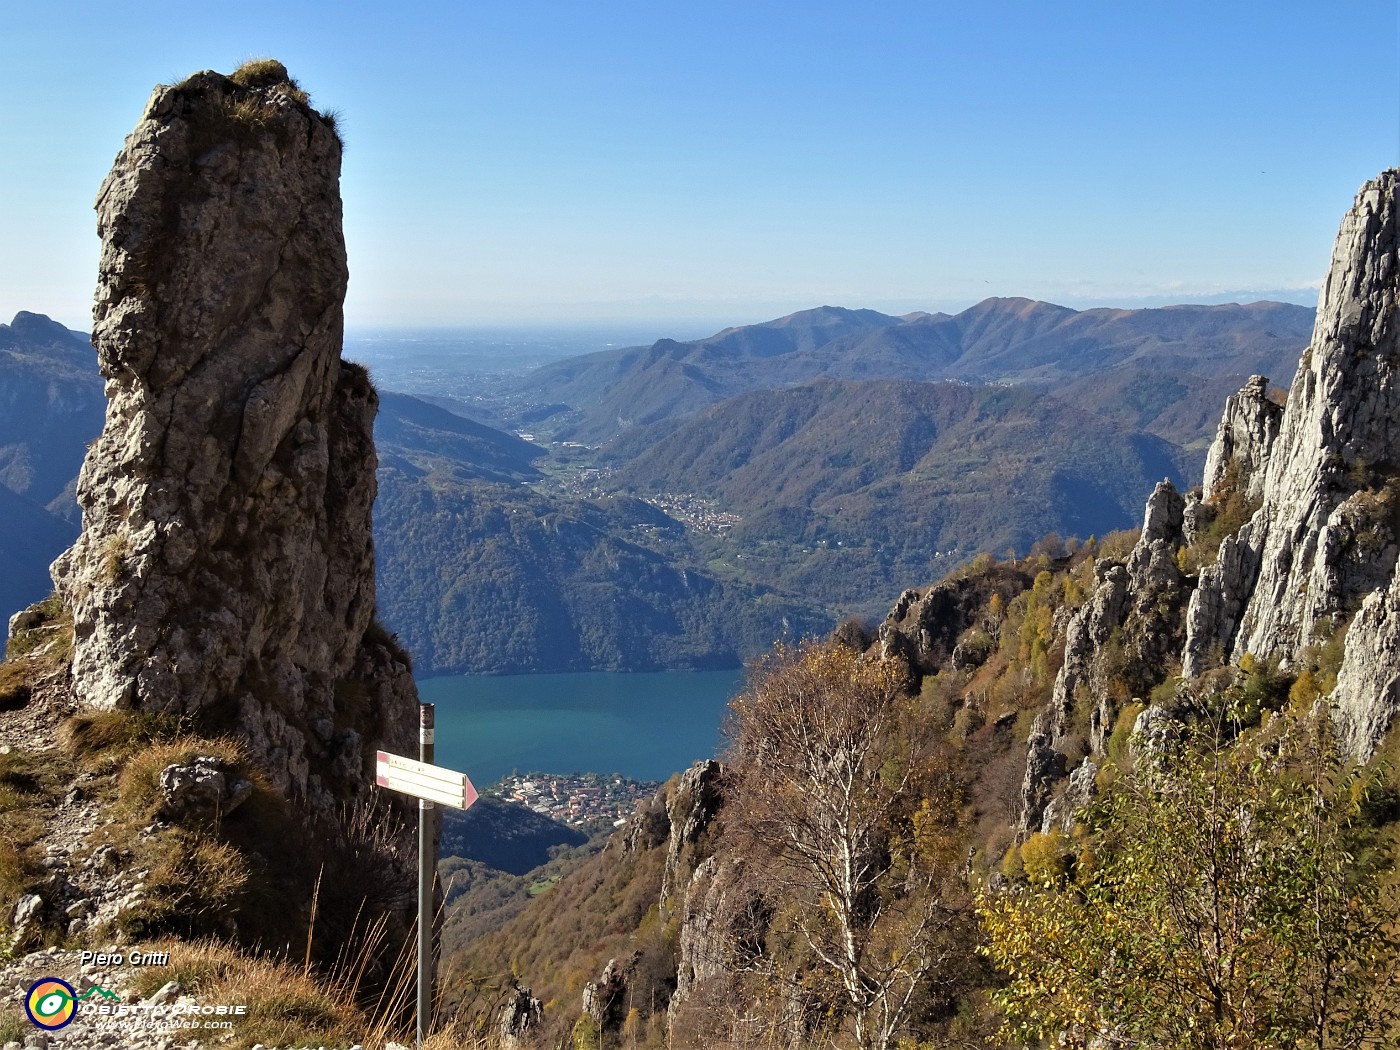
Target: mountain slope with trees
1169,354
51,406
1141,792
696,540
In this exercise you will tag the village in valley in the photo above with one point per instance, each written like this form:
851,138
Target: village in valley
576,798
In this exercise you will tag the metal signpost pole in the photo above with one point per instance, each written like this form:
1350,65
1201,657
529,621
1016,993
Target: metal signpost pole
427,863
433,786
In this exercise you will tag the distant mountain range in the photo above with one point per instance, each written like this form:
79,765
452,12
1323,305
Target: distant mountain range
1165,370
684,504
51,405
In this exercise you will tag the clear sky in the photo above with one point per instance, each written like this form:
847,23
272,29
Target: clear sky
539,162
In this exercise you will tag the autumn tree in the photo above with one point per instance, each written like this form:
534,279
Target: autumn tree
1231,898
851,827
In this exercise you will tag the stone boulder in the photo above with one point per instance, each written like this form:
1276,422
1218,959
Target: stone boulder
204,791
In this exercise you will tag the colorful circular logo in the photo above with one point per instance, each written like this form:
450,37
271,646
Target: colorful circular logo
51,1003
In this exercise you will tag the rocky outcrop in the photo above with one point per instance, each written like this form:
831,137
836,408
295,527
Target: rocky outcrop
1240,452
1319,556
1324,532
205,790
1367,696
1218,602
723,915
226,567
1062,812
1119,639
521,1019
1235,469
678,817
924,627
605,1000
690,808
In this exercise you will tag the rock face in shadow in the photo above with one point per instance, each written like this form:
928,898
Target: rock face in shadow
226,565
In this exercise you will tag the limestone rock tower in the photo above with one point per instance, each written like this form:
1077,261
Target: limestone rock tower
226,566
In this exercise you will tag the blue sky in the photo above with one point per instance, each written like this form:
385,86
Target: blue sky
531,162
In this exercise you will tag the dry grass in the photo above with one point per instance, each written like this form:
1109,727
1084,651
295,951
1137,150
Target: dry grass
103,741
287,1006
29,781
266,73
201,877
50,633
294,1005
16,876
195,886
13,1025
260,72
42,647
15,685
116,549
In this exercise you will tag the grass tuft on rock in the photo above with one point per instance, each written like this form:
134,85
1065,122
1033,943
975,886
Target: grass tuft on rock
261,72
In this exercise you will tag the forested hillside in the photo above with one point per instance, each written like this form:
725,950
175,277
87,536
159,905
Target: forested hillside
1163,370
696,540
1137,792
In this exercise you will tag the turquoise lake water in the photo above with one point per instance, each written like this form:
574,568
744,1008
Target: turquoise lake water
645,726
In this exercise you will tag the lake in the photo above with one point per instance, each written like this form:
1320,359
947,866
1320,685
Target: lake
644,726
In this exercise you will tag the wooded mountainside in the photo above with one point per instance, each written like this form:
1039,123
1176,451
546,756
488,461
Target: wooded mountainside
1139,792
857,451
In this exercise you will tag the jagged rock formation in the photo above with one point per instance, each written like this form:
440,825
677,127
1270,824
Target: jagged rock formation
1322,547
696,888
226,567
1331,478
1243,440
1132,621
924,626
1317,485
690,809
605,1000
520,1019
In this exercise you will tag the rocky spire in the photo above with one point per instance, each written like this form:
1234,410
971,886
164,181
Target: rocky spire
226,567
1140,600
1243,440
1324,532
1319,555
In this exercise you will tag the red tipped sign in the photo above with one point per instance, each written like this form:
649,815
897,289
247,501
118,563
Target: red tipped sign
446,787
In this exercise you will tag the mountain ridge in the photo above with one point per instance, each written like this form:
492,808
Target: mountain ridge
997,340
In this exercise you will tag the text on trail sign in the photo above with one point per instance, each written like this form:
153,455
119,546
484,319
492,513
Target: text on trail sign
446,787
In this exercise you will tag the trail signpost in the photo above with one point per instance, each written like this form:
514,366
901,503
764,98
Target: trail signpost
432,786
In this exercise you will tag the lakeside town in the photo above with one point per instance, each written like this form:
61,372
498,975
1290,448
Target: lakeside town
576,798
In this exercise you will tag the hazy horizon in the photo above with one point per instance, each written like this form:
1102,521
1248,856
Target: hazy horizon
734,162
686,327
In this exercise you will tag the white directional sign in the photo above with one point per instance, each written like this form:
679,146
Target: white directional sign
433,783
